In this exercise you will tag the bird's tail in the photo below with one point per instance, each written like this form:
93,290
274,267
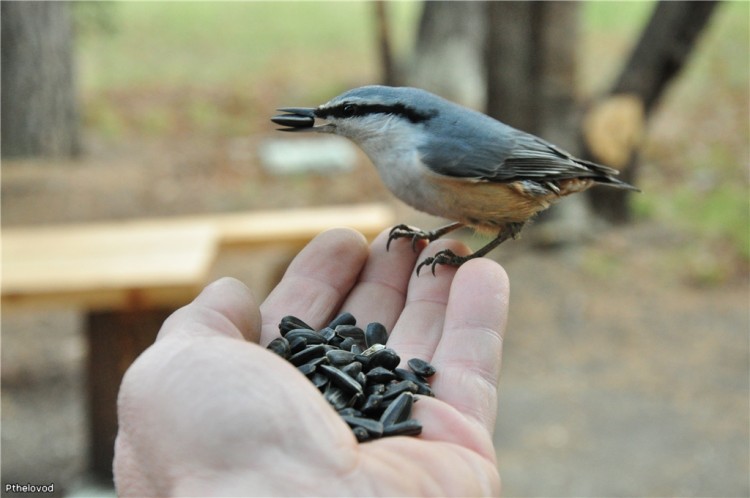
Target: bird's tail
607,176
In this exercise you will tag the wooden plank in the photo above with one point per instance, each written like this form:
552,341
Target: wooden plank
114,265
138,264
289,226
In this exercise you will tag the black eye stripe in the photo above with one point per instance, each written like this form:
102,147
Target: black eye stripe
347,109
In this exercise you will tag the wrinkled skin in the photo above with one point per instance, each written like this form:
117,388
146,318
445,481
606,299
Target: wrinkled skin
206,410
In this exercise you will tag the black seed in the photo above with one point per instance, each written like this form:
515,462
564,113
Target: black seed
373,427
386,358
380,375
421,367
280,346
350,412
398,388
353,369
409,427
352,331
399,410
297,345
340,357
310,336
364,360
361,434
327,334
336,397
356,348
345,318
356,400
319,380
294,120
290,322
375,389
361,378
306,369
307,354
375,333
372,350
320,360
341,379
346,343
372,403
422,385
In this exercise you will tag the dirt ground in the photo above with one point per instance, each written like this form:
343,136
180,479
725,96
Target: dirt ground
622,376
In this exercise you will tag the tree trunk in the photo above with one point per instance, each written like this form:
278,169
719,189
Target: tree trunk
531,71
448,58
39,111
660,54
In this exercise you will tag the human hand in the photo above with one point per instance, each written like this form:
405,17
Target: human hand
207,411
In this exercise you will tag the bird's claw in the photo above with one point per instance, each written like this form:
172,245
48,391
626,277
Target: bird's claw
444,257
402,231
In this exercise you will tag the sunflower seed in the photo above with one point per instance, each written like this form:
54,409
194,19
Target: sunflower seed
398,388
422,385
421,367
306,369
409,427
351,412
361,434
372,350
340,357
353,369
373,427
343,319
352,331
375,333
372,403
341,379
346,343
381,375
290,322
310,336
336,397
297,345
399,410
280,346
327,334
386,358
361,378
319,380
307,354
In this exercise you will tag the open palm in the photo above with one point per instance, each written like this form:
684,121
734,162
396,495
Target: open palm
207,410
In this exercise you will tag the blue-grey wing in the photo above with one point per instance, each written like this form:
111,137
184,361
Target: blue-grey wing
504,154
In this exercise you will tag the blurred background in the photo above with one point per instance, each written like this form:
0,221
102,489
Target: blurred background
626,367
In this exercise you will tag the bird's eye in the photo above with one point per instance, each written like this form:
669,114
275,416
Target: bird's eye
351,109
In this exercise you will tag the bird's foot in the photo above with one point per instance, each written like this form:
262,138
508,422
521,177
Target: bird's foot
444,257
406,231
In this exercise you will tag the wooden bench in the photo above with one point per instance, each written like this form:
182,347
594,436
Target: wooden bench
128,276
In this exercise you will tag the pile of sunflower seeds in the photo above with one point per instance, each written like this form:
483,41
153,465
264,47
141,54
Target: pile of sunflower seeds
357,374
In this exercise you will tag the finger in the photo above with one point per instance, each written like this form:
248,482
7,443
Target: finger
468,355
418,330
317,281
225,307
380,292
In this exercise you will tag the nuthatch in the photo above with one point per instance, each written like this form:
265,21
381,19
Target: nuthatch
452,162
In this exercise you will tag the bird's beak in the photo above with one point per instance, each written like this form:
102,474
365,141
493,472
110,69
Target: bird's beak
299,119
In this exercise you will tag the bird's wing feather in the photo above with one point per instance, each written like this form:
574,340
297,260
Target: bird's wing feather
505,157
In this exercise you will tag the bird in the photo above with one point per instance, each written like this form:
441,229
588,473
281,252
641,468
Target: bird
452,162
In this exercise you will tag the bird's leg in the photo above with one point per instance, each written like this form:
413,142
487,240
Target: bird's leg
448,257
401,231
